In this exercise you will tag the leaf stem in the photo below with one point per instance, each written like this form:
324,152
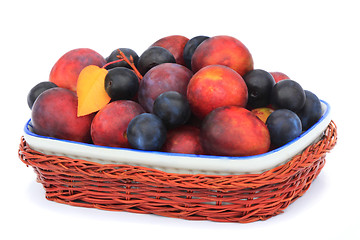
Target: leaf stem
122,56
109,63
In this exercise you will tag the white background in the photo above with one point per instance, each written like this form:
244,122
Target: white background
315,42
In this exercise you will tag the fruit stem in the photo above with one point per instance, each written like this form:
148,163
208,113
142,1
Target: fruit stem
130,62
109,63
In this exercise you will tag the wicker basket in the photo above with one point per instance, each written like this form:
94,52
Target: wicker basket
222,198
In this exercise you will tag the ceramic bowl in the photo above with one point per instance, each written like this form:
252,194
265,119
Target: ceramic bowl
180,163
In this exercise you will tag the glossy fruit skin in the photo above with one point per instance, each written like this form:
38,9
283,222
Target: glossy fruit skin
66,70
54,114
234,131
259,84
37,90
121,83
223,50
278,76
175,45
284,126
146,132
183,139
288,94
215,86
109,125
190,48
162,78
113,57
173,109
152,57
311,112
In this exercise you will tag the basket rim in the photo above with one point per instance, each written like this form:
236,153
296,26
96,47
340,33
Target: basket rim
212,162
60,164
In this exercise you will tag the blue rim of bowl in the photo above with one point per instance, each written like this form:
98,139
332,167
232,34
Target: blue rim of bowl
325,114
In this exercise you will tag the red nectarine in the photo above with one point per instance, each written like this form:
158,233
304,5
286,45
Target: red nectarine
54,114
215,86
223,50
234,131
66,70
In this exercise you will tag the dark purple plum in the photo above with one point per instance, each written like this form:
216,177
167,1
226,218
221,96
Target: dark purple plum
259,84
284,126
146,132
288,94
121,83
163,78
311,112
37,90
173,109
190,48
113,57
152,57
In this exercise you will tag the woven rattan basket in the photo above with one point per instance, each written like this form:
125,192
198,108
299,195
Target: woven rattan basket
223,198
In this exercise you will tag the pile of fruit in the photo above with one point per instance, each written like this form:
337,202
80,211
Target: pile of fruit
195,96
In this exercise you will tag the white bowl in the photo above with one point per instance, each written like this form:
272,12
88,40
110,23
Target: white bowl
180,163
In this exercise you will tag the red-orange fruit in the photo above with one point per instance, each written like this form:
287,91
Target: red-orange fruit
110,124
183,139
278,76
215,86
54,114
66,70
223,50
175,45
234,131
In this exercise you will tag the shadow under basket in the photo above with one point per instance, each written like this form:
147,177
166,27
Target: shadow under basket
222,198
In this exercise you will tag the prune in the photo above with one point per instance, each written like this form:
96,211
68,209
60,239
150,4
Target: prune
173,108
288,94
37,90
121,83
311,112
259,84
127,52
146,132
152,57
284,126
190,47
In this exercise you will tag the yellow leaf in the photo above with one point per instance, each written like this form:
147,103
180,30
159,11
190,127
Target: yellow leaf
91,90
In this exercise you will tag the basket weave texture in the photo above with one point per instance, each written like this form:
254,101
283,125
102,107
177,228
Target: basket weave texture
230,198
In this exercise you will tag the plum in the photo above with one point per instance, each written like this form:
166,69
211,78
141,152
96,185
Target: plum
121,83
66,70
311,112
54,114
162,78
190,48
146,132
152,57
234,131
110,124
223,50
37,90
127,52
215,86
175,45
288,94
259,84
284,126
173,108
